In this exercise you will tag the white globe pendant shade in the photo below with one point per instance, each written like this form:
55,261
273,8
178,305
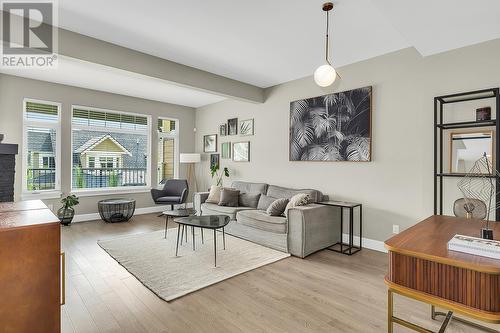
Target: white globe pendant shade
325,75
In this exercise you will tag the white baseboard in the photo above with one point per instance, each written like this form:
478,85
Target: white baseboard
371,244
138,211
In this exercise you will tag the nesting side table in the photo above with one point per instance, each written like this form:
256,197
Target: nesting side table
347,248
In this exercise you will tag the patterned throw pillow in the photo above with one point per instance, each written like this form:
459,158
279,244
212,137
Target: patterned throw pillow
300,199
214,195
229,197
277,207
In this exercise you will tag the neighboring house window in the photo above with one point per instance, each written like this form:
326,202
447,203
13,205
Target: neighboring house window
110,149
41,148
168,144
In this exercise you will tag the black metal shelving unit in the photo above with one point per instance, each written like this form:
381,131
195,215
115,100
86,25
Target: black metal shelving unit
439,127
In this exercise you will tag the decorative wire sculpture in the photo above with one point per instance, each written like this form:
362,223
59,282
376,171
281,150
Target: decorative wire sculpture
479,184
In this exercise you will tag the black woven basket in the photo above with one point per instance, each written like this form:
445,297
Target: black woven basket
116,210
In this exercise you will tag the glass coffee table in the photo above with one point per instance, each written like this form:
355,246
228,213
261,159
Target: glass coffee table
213,222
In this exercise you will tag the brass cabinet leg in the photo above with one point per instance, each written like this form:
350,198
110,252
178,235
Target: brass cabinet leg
63,278
389,311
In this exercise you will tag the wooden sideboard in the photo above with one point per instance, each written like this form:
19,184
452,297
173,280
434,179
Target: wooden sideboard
421,267
30,268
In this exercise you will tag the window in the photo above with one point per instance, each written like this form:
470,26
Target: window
41,148
168,145
110,149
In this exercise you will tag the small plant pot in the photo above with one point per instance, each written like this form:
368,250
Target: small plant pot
66,215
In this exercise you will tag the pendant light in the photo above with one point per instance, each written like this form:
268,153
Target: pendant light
325,74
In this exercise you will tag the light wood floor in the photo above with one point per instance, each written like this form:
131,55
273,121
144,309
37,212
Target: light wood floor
326,292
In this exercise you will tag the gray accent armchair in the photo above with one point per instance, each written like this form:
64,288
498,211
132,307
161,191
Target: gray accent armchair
174,192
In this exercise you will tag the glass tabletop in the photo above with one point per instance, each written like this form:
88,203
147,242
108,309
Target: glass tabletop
339,203
182,212
206,221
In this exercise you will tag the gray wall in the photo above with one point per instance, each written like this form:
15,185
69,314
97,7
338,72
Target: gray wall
14,89
397,187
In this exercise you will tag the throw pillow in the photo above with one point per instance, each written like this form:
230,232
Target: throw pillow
249,199
229,197
214,195
277,207
264,202
300,199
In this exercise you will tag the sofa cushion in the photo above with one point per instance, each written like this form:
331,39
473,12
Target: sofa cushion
229,197
284,192
277,207
264,202
214,195
246,187
214,209
249,199
259,219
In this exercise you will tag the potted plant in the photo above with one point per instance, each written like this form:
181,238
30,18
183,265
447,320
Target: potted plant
66,212
214,170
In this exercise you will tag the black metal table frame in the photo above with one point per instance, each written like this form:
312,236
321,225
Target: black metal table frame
184,226
168,216
350,246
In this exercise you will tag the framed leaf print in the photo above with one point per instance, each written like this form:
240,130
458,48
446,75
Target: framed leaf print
241,151
210,143
246,127
335,127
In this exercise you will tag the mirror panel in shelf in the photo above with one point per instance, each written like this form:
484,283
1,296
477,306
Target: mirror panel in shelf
467,147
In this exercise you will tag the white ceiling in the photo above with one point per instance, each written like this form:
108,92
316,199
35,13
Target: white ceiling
435,26
84,74
265,42
261,42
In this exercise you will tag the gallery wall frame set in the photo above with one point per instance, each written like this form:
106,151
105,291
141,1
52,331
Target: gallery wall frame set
332,128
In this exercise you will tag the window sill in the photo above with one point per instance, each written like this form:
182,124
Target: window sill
41,195
109,191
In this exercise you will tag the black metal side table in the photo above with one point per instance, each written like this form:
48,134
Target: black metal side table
116,210
349,248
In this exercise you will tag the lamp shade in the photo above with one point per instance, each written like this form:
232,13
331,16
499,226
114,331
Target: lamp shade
189,158
325,75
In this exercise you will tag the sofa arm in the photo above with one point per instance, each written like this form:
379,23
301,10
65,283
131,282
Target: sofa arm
312,228
198,199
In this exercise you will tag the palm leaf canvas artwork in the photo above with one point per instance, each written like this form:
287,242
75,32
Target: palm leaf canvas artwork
335,127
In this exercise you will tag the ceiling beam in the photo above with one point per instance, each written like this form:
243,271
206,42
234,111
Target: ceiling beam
90,49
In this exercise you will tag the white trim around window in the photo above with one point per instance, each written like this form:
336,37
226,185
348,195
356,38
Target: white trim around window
159,155
50,125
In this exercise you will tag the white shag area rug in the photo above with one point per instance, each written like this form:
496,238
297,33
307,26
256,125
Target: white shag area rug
151,259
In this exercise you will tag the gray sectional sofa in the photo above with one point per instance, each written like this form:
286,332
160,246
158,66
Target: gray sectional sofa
306,230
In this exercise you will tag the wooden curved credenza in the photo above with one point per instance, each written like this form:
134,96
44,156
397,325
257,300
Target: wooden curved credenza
422,268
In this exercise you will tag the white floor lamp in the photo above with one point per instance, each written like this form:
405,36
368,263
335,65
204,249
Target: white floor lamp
190,159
